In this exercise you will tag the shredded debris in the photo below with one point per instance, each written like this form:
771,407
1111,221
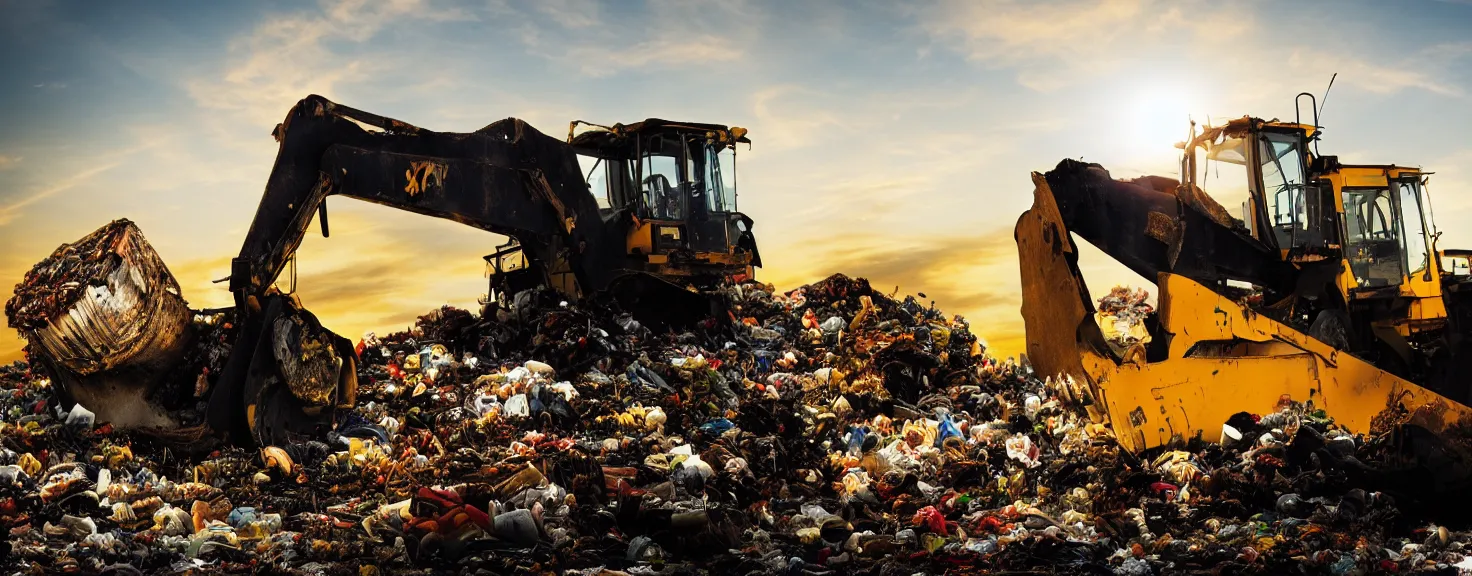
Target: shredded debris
54,284
1121,316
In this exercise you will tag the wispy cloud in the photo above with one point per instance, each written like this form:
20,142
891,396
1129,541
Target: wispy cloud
583,37
789,116
659,53
8,162
1054,44
1058,44
1385,78
576,14
290,56
12,210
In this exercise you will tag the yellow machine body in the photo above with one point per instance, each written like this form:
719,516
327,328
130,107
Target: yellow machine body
1223,358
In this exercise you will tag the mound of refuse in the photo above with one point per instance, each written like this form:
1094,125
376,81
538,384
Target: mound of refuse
832,429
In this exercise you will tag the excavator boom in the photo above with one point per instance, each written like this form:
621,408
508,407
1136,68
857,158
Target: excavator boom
506,178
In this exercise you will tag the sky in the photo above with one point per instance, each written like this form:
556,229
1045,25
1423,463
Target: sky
891,140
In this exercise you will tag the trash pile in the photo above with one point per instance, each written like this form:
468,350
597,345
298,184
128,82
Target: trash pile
832,429
57,282
1121,316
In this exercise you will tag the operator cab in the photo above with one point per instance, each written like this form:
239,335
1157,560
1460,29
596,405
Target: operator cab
1292,201
676,182
1266,165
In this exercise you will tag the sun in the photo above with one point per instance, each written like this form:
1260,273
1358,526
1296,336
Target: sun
1157,115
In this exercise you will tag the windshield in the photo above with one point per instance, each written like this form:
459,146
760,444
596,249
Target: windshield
1282,180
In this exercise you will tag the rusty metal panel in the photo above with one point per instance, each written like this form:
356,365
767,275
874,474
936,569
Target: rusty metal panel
1161,227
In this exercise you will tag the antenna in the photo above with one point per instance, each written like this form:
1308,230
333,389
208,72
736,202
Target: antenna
1325,99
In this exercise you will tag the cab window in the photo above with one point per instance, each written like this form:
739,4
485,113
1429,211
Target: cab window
711,179
1224,176
1417,257
595,173
1282,180
1458,265
1372,242
661,187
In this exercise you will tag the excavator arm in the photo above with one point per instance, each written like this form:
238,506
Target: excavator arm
1151,226
507,178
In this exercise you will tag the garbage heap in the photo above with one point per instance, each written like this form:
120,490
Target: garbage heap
1121,316
827,430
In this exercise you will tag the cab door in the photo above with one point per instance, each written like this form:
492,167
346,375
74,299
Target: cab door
1299,214
1421,268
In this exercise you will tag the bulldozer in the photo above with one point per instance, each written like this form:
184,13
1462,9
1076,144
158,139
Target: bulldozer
644,213
1329,290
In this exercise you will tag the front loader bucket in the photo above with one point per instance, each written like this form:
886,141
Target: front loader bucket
1222,357
1055,303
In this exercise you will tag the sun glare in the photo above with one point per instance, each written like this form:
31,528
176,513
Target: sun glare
1157,117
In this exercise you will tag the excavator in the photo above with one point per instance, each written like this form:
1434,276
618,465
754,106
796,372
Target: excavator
645,213
662,212
1329,290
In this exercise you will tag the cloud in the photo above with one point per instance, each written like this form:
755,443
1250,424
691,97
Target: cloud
12,210
1051,44
1383,78
576,14
789,116
681,34
661,52
963,274
8,162
290,56
96,166
1054,45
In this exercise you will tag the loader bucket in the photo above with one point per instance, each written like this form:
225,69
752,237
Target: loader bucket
1222,357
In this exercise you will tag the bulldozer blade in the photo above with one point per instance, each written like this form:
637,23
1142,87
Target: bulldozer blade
1221,356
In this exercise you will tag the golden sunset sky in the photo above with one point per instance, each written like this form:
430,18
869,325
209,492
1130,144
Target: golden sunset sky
891,140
